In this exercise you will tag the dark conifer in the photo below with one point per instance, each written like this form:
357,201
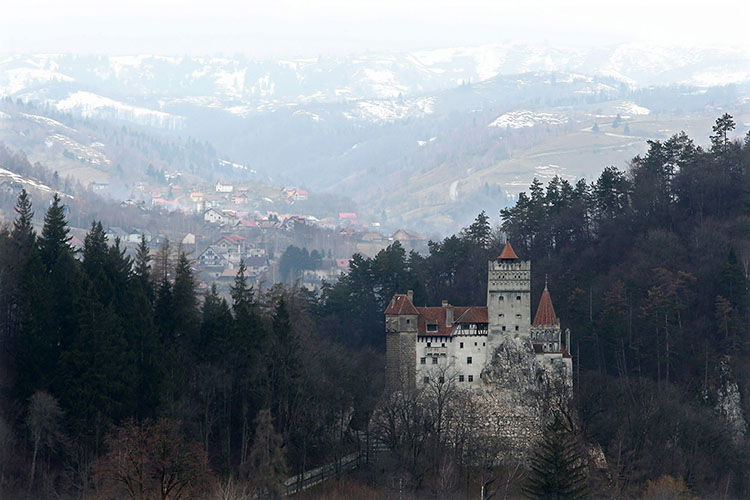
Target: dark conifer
556,467
54,241
23,230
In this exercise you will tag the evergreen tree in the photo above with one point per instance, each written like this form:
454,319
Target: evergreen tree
216,328
284,367
556,467
54,241
185,305
721,129
245,357
23,231
732,282
96,372
480,231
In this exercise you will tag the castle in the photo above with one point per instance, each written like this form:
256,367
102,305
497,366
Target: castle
428,344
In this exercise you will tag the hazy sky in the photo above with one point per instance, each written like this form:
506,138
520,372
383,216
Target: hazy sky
308,28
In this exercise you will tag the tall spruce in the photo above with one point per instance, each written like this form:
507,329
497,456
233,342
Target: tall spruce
556,468
285,367
23,230
54,241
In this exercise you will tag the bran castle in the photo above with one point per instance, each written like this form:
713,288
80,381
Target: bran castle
495,351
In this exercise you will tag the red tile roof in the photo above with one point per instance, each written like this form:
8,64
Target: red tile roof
545,312
508,252
472,314
400,304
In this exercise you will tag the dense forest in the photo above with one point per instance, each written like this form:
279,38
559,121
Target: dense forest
120,381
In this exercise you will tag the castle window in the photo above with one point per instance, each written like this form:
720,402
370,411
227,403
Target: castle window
426,380
503,327
461,345
407,321
516,327
475,343
483,344
501,298
442,345
460,378
518,315
501,315
441,379
471,378
422,361
432,328
434,361
429,343
468,361
518,297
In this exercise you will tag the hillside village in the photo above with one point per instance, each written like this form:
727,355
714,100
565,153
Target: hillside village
228,223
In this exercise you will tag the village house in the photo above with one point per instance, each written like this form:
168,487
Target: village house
214,216
224,188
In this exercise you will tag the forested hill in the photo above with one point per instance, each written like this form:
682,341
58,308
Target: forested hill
105,358
648,268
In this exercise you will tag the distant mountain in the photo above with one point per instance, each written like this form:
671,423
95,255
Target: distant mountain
421,137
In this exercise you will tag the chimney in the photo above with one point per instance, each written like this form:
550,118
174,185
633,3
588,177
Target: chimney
410,294
448,313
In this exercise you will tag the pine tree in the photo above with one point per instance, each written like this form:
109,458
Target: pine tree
479,231
54,242
285,366
96,373
720,137
185,305
733,284
142,268
143,336
23,231
556,467
245,359
216,328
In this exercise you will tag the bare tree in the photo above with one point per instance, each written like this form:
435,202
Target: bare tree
43,420
153,460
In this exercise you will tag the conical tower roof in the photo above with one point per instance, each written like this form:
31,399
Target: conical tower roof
508,252
545,312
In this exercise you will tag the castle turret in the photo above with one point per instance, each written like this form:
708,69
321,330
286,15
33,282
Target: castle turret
508,295
401,323
545,311
545,330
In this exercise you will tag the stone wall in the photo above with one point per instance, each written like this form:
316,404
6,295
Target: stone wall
400,360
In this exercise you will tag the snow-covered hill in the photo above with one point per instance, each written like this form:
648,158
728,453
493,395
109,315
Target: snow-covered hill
151,90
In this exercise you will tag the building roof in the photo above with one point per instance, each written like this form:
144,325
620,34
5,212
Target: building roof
545,312
508,252
401,304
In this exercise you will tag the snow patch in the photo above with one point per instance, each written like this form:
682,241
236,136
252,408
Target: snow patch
308,114
525,118
28,182
631,108
49,122
390,111
90,105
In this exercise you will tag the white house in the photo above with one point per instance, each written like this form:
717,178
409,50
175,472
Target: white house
214,216
224,188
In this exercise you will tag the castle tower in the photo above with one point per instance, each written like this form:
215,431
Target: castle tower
508,295
546,337
401,323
